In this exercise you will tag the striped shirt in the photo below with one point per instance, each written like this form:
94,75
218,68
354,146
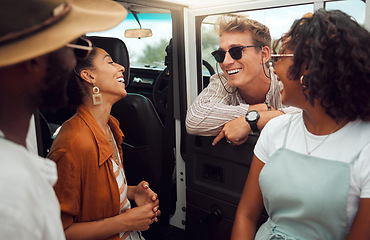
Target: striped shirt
220,103
124,202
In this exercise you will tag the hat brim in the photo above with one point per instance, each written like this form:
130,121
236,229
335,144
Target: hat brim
85,16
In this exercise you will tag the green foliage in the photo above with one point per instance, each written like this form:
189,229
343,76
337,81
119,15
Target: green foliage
154,54
210,43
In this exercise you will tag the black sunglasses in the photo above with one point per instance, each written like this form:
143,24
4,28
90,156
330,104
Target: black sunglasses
235,52
82,48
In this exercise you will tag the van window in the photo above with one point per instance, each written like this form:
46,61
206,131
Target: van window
278,20
354,8
149,51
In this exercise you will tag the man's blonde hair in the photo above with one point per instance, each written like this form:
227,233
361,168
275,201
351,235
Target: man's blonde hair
232,23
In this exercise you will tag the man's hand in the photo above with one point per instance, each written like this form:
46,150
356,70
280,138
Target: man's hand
236,132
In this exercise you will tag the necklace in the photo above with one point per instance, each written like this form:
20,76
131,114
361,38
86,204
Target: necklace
327,136
110,137
115,150
116,158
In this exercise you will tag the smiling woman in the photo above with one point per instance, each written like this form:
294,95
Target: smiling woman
92,183
312,148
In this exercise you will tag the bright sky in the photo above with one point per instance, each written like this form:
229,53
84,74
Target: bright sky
202,3
278,20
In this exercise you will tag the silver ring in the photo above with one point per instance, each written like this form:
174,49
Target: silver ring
229,142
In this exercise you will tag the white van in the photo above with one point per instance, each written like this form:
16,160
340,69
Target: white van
168,62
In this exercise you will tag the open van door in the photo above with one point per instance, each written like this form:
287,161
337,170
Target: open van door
203,182
215,175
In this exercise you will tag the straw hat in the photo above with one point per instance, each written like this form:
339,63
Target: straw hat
31,28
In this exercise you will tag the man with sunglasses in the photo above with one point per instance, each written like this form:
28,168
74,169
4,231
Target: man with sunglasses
38,50
246,94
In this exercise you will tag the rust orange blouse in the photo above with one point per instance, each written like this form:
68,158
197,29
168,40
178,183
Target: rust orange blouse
86,188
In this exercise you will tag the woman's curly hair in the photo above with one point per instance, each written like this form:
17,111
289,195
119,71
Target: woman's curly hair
336,50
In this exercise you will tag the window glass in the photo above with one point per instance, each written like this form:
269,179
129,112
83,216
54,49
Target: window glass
278,20
354,8
149,51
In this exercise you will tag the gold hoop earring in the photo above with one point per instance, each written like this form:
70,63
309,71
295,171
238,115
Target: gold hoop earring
301,81
97,97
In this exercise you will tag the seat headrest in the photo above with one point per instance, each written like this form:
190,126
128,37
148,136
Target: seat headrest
117,50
